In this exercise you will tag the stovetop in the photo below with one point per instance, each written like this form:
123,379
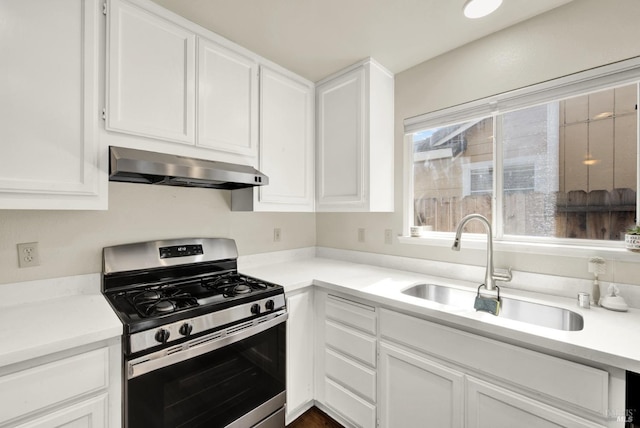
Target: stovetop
155,284
150,305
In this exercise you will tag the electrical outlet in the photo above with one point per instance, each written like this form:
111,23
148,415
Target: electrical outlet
360,235
277,234
28,255
388,236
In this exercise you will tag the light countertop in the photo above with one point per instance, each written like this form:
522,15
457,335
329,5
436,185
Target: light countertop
608,337
66,313
71,312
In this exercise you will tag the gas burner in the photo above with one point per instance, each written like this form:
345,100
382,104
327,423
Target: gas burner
233,284
161,300
241,289
164,306
222,282
147,296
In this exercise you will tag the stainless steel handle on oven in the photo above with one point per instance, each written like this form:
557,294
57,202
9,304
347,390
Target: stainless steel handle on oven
202,345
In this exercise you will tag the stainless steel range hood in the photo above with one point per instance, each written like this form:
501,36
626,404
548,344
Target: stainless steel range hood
139,166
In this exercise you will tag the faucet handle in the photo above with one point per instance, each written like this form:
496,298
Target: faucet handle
503,275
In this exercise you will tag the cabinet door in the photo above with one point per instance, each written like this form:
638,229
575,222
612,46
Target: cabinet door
340,114
417,392
151,75
286,142
227,100
52,384
300,340
87,414
489,406
49,150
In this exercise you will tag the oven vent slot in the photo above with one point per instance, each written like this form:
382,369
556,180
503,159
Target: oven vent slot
173,350
146,360
239,327
205,339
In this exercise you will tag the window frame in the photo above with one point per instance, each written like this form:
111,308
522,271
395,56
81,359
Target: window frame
608,76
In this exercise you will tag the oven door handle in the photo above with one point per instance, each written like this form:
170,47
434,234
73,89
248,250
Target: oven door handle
202,345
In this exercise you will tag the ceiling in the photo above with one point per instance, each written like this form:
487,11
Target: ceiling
315,38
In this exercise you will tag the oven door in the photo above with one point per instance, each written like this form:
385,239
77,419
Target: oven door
229,378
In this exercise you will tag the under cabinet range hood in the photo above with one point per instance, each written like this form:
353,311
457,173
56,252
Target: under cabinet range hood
140,166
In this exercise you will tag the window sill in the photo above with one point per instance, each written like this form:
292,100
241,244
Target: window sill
607,250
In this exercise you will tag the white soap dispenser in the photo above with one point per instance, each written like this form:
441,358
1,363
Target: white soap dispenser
613,301
597,266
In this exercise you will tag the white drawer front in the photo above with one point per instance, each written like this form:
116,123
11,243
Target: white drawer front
571,382
354,376
39,387
351,342
86,414
353,408
353,314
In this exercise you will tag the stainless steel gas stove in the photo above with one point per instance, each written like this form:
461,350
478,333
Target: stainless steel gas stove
204,346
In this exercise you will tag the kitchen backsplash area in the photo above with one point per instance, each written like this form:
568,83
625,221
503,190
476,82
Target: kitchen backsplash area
70,242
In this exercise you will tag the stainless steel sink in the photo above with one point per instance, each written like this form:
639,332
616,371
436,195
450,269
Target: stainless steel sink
518,310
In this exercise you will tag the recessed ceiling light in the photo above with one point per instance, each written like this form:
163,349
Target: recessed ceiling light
478,8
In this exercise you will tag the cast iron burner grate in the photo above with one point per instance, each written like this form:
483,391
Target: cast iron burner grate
233,284
161,300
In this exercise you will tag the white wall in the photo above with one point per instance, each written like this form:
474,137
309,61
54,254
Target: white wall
71,242
580,35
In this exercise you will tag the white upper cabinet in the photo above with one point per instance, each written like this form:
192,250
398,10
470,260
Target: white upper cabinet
286,142
49,149
355,139
227,100
151,74
285,148
172,81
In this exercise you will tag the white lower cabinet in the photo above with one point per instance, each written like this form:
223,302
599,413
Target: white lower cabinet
87,414
415,391
71,391
346,341
419,392
490,406
436,376
376,367
300,338
349,405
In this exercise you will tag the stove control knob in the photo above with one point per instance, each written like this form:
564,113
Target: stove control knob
186,329
269,305
255,309
162,335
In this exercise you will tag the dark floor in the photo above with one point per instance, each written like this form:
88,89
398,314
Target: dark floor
314,418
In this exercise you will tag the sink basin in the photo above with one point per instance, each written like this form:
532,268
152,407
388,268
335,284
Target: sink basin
518,310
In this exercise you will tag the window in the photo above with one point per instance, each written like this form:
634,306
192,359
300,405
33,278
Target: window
443,158
561,169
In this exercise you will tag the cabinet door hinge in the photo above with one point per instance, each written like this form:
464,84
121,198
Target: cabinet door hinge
104,8
104,114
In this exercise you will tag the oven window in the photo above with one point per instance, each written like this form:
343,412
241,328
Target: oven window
211,390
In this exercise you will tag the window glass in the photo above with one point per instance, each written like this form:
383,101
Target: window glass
452,172
570,167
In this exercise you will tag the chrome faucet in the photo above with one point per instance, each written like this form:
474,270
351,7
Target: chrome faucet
490,276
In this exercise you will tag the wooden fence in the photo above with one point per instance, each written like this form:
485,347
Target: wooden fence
598,214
